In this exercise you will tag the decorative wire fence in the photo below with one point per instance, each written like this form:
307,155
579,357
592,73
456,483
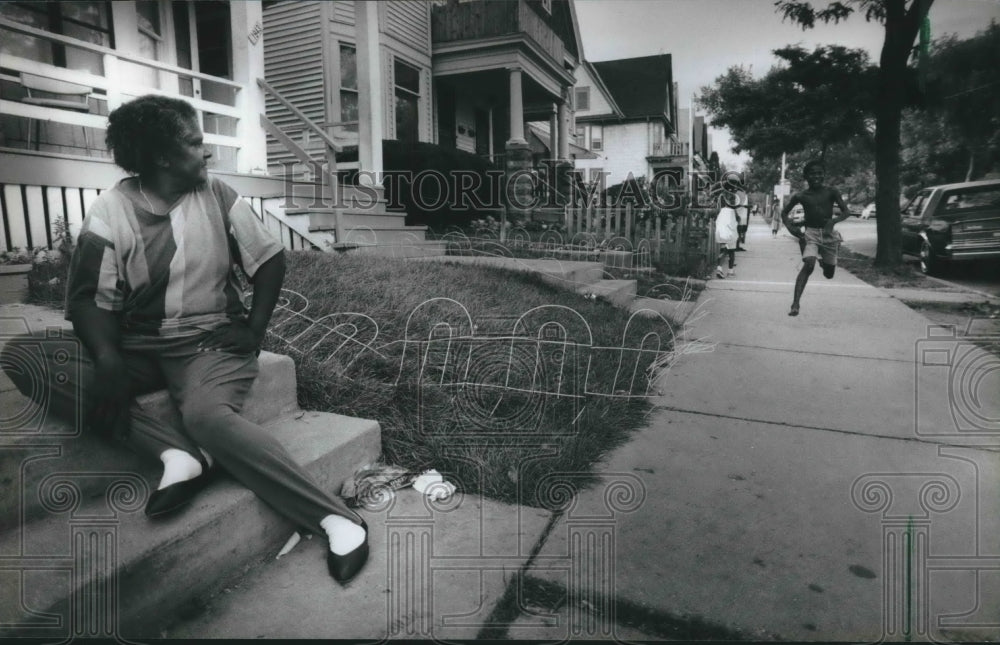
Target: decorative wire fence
622,237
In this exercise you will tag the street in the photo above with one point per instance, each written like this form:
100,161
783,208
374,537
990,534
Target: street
984,276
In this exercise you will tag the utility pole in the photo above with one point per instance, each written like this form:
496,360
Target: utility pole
691,182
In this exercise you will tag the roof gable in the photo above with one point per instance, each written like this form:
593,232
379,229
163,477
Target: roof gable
601,102
640,86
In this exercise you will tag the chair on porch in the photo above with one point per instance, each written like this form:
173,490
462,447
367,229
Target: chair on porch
69,96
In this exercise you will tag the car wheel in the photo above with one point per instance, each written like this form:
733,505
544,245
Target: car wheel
929,265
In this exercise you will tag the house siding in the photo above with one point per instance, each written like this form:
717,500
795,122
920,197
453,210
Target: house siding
408,22
598,102
625,147
293,64
343,11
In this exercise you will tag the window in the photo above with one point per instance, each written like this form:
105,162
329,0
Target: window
581,136
407,97
582,96
547,6
86,21
973,199
597,137
147,13
349,85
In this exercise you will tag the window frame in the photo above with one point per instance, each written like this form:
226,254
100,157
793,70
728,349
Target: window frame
397,89
55,22
597,143
344,89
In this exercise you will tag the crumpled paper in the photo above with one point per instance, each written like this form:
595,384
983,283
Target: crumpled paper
432,484
373,486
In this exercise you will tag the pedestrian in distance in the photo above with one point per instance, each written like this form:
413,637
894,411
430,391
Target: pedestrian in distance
155,299
775,220
816,236
727,236
742,217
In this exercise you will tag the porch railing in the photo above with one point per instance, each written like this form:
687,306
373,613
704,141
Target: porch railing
669,149
30,216
118,84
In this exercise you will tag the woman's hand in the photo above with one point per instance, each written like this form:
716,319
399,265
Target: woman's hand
235,338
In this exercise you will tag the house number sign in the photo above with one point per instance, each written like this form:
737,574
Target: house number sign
255,33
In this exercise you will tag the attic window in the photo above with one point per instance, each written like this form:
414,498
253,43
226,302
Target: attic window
547,5
582,96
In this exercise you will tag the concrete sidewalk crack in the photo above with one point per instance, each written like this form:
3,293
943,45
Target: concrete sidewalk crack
853,433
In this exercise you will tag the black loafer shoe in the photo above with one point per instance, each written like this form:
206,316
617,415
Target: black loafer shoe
169,499
344,567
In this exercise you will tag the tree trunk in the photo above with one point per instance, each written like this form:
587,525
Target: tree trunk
901,28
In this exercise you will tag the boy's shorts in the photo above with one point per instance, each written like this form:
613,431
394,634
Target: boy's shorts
820,244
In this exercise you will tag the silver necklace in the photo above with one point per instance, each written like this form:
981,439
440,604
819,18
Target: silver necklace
144,196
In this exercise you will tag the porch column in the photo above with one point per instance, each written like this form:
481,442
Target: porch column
516,108
519,189
563,118
248,65
555,135
371,106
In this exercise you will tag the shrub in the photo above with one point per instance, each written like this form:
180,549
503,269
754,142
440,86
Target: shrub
423,202
47,278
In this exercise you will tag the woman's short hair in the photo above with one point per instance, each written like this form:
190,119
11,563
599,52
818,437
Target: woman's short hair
141,131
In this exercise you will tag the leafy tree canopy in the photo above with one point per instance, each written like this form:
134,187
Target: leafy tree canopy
813,99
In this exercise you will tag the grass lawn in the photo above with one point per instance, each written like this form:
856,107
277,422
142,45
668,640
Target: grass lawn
510,411
905,275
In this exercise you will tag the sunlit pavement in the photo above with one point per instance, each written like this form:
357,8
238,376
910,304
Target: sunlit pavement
783,486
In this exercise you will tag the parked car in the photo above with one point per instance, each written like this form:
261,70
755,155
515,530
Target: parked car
952,223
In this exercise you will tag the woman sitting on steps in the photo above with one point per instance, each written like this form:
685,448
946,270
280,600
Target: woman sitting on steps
153,297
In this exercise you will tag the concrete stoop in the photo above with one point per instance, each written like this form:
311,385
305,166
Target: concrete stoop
79,557
437,570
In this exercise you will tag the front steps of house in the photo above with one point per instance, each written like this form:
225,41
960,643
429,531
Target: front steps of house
79,557
352,218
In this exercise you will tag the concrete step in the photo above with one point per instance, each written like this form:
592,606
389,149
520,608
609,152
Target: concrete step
40,448
617,292
95,565
326,219
379,235
416,249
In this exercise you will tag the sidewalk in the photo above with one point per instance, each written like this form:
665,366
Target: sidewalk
807,479
781,473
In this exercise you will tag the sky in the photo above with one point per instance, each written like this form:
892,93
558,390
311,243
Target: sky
707,37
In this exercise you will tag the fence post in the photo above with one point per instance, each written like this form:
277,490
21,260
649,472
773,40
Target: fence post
659,241
607,221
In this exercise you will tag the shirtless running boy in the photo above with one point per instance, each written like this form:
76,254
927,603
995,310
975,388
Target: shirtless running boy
818,237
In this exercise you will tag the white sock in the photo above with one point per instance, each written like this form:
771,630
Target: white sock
345,535
178,466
